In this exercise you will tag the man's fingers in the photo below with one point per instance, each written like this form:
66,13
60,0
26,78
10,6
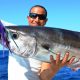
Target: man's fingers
52,59
71,60
65,59
57,58
62,62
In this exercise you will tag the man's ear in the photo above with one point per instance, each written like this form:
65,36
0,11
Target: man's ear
46,21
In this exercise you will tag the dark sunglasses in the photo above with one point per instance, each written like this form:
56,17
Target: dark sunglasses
40,16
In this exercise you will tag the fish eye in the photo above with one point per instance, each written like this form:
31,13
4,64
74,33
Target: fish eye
14,35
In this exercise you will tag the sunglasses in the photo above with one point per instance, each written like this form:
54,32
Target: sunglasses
40,16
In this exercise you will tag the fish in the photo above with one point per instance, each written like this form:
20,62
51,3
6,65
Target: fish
40,42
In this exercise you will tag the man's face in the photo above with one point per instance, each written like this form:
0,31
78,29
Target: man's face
37,17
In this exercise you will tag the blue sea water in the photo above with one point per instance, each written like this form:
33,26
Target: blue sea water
4,65
64,73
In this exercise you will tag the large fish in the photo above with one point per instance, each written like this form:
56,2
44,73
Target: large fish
40,42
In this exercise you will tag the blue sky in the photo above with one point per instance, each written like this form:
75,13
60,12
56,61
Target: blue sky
61,13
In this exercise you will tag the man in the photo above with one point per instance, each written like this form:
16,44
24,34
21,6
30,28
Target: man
38,17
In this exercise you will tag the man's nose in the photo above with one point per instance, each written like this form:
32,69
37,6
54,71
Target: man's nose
37,19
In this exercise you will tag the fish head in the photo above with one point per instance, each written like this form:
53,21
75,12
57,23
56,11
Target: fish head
20,41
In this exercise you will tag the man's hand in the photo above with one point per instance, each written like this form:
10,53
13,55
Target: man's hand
48,70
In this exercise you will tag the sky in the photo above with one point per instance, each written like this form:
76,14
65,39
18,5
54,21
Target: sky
61,13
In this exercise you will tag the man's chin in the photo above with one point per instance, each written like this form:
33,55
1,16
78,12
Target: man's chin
35,25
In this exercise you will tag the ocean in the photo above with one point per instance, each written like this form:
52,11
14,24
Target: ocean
4,65
64,73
